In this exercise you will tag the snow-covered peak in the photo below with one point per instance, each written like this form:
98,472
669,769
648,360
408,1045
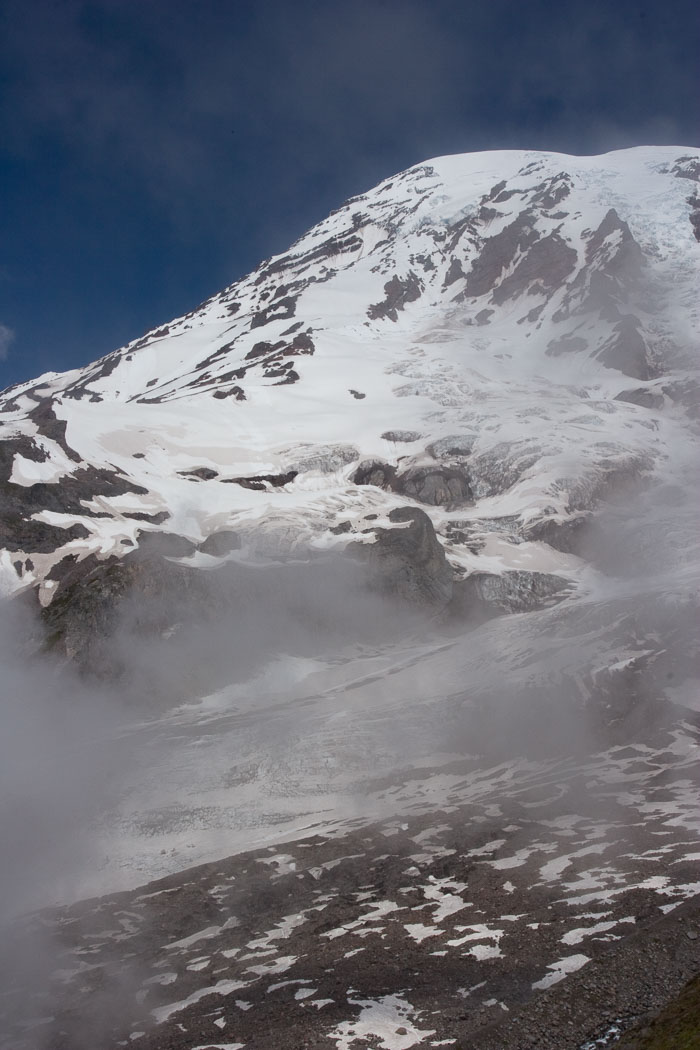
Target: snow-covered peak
497,338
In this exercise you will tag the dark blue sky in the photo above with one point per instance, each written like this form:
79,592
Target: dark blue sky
152,151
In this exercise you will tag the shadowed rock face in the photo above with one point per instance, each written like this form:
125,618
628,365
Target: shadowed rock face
545,266
221,543
483,594
91,597
48,424
498,252
408,561
436,486
626,350
399,291
20,529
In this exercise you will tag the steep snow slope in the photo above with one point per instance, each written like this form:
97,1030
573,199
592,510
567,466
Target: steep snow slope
500,338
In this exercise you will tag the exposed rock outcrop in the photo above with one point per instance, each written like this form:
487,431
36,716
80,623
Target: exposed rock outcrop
444,485
484,594
408,561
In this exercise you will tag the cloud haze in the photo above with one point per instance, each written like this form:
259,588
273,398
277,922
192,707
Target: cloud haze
6,337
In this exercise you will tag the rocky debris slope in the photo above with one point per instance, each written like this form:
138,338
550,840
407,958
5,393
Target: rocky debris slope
532,905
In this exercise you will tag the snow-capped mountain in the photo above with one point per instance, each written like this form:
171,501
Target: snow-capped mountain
479,379
498,339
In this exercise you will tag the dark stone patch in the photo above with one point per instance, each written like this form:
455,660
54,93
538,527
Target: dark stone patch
291,377
273,356
549,261
532,315
398,291
685,392
139,455
452,445
331,248
552,191
443,486
301,344
19,530
259,482
625,258
375,472
487,214
277,369
483,316
409,563
642,397
497,253
495,191
455,233
499,468
86,607
398,436
202,473
425,261
566,344
22,445
687,168
505,195
102,368
151,519
39,537
262,349
221,543
357,395
293,328
627,351
236,392
566,536
279,310
216,355
340,528
454,273
484,594
62,567
47,423
166,544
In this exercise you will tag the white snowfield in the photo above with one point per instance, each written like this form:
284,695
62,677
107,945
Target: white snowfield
498,302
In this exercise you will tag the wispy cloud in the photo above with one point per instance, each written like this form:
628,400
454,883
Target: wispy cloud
189,104
6,337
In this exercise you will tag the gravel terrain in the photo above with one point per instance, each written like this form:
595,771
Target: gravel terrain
557,907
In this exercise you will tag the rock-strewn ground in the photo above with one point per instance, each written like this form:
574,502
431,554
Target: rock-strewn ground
558,907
